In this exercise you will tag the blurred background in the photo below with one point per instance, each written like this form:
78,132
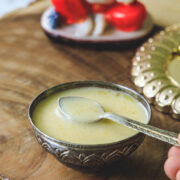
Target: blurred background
7,6
164,12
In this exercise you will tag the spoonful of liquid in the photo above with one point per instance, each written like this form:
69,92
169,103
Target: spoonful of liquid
84,110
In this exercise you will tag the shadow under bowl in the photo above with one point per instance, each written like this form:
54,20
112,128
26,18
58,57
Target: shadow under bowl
88,158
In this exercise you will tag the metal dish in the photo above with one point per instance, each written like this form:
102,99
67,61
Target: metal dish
156,70
88,157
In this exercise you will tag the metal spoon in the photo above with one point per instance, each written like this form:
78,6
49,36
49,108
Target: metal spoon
96,112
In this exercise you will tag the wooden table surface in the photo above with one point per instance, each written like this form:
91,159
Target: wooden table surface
30,63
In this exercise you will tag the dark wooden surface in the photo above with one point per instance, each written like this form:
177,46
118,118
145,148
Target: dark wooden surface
30,63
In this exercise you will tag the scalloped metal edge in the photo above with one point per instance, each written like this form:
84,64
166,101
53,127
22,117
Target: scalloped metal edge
149,73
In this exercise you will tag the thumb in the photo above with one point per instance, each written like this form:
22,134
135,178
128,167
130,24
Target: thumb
178,175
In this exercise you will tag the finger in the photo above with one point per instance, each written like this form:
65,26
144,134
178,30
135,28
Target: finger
172,166
178,175
174,151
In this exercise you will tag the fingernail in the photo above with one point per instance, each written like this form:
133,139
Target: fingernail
178,175
179,138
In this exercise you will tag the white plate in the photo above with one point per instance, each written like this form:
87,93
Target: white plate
111,35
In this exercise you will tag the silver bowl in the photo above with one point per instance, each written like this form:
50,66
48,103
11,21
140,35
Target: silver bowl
88,157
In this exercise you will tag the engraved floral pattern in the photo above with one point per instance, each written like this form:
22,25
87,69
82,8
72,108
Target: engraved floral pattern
86,159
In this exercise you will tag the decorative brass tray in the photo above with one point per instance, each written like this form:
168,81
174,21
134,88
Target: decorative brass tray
156,70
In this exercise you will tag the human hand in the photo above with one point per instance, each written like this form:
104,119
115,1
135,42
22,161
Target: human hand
172,164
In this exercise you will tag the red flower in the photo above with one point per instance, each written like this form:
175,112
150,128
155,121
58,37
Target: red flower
71,11
126,17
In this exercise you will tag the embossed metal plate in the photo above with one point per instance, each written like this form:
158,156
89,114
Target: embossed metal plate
156,70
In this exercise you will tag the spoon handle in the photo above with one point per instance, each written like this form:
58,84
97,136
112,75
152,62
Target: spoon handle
163,135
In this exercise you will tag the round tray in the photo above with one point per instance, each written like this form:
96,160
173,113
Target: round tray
67,33
156,70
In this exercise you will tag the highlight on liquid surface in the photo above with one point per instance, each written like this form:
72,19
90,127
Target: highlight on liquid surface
49,120
80,109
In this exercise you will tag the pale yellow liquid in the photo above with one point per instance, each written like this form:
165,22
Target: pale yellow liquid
80,110
48,119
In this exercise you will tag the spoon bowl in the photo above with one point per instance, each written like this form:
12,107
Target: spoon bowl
81,110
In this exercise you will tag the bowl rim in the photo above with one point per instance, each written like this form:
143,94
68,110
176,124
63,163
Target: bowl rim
86,83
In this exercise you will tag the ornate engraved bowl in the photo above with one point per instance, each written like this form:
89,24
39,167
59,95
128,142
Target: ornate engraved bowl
83,157
156,70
